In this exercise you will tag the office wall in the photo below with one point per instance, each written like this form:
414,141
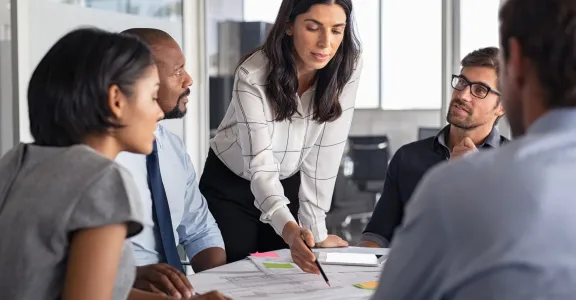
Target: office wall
216,12
6,128
6,109
401,126
41,23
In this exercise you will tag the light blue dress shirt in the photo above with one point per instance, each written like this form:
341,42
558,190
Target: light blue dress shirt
194,227
499,224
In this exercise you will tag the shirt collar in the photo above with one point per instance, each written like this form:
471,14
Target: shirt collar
492,140
554,120
158,134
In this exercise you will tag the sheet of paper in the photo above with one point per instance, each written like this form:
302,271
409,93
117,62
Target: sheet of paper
350,269
365,250
354,278
285,287
265,254
244,280
348,258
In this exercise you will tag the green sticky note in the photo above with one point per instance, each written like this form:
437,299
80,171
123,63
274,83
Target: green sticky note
271,265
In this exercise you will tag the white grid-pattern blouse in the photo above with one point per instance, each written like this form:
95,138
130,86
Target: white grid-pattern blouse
263,151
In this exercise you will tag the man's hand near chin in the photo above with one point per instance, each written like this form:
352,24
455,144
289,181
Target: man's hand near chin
465,147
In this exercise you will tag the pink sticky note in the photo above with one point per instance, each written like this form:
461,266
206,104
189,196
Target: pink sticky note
265,254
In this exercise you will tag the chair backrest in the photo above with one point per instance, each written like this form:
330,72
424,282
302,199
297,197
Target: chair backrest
370,156
426,132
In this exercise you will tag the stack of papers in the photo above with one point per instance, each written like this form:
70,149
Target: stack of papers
273,275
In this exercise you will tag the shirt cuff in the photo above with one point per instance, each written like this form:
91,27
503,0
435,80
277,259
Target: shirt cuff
192,251
376,238
280,217
318,230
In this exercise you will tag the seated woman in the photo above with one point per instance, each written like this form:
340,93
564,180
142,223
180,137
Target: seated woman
66,208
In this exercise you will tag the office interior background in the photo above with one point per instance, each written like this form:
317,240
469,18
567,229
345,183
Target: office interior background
409,54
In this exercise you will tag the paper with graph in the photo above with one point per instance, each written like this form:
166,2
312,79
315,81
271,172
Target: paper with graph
280,278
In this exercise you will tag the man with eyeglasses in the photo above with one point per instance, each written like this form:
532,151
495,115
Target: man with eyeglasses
473,113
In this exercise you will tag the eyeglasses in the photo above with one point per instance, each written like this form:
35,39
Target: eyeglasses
477,89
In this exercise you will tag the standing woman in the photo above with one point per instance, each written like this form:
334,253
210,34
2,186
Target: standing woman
276,155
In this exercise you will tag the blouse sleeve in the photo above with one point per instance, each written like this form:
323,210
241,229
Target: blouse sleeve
256,143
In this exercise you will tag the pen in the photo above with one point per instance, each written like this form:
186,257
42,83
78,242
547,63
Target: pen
318,265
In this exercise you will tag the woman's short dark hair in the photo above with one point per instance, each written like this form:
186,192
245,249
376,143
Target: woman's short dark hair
68,91
282,83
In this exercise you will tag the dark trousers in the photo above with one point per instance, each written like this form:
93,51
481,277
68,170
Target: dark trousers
231,202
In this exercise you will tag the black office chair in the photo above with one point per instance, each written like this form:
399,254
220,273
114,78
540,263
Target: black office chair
426,132
368,157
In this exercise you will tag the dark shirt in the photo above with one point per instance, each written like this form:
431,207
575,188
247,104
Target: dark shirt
407,167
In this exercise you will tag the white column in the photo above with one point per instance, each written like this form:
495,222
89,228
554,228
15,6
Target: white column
20,62
450,51
196,126
504,126
7,121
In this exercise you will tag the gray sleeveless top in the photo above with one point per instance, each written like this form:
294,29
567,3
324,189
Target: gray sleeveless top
47,193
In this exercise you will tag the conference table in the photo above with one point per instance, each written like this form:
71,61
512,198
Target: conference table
273,275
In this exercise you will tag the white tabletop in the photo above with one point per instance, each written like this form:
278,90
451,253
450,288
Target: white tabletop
245,280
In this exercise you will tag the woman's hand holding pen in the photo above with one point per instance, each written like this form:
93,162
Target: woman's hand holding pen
297,238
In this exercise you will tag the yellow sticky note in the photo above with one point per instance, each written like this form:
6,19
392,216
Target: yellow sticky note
370,285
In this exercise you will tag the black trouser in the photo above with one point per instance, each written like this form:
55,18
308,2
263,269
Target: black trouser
231,202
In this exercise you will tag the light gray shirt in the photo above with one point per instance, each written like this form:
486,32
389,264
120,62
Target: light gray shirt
47,194
192,223
254,146
498,224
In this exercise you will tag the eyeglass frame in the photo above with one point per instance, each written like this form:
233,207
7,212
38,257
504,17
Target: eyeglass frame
469,85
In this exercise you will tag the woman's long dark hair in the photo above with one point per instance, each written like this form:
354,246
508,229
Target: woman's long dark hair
282,81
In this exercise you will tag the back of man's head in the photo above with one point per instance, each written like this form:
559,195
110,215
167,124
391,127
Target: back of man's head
150,36
546,33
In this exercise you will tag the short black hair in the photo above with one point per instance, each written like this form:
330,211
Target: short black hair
546,32
150,36
68,91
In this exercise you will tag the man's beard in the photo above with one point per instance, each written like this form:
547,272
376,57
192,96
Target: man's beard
465,124
460,124
176,112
